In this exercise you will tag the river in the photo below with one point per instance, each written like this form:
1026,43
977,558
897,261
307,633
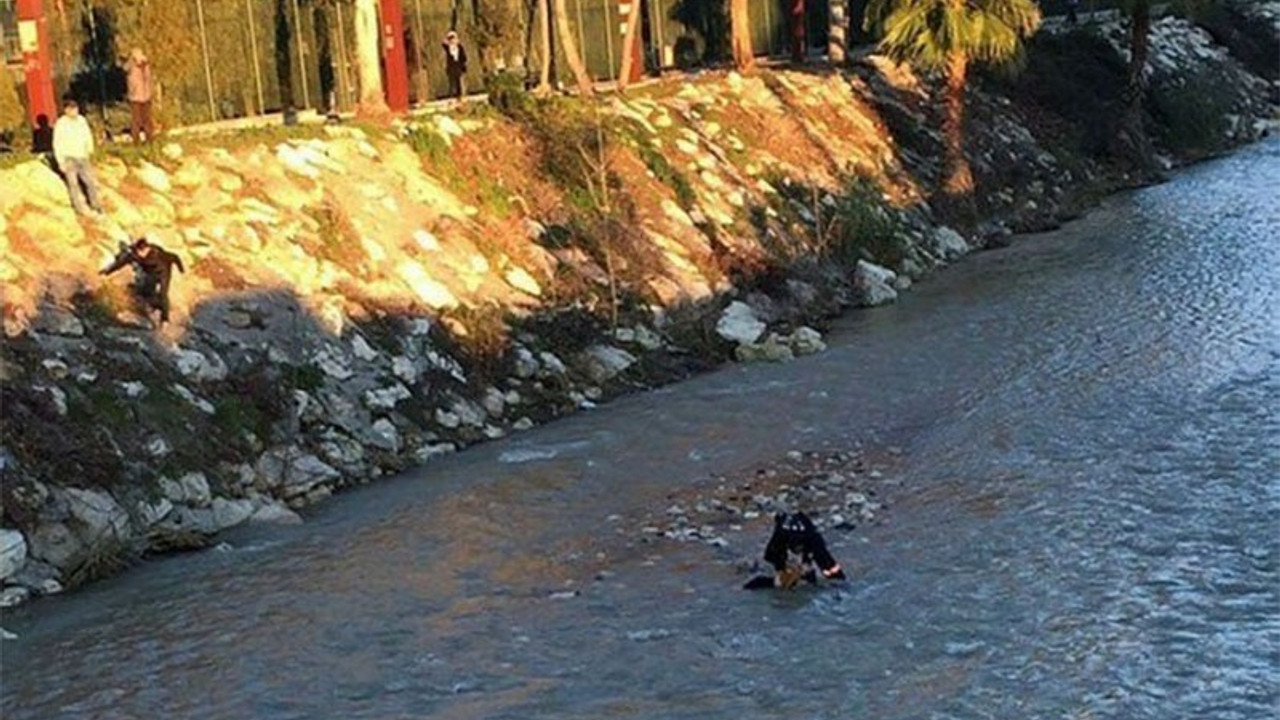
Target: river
1083,523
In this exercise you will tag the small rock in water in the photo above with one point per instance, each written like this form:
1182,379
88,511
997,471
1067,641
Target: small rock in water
564,595
6,635
646,635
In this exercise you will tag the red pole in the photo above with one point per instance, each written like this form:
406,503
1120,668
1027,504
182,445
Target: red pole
393,56
625,8
33,40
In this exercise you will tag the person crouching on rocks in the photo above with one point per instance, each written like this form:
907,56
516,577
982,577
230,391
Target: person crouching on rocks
795,534
152,270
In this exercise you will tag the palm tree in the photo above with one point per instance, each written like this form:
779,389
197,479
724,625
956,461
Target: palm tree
372,102
570,46
1131,141
948,35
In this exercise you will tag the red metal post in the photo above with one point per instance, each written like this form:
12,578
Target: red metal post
33,40
393,56
625,8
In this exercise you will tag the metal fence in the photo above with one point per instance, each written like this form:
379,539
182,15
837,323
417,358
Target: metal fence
252,57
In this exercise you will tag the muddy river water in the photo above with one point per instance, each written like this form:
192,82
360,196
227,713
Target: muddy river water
1084,523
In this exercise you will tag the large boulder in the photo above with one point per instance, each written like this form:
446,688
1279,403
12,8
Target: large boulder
604,362
947,243
190,489
292,471
55,544
874,284
13,552
739,324
99,515
197,366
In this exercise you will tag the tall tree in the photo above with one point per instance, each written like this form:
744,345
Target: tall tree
372,102
1131,141
12,114
544,42
948,35
740,34
570,46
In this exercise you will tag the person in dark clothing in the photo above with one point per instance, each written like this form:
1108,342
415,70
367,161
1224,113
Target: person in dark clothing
796,534
152,269
42,136
455,65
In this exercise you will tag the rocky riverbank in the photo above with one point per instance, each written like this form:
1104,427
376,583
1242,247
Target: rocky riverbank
359,300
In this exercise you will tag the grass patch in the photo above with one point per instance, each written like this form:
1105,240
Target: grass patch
1188,113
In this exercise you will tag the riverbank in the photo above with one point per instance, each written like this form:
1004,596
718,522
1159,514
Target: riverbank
360,300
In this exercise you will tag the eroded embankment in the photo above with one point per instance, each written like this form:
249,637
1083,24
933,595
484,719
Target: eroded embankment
359,299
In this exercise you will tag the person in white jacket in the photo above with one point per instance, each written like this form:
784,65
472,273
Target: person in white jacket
73,150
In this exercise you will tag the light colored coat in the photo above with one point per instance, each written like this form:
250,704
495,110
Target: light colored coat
72,139
138,75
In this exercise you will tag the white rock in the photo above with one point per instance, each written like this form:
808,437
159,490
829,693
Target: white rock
152,513
426,240
195,365
383,435
13,552
551,365
526,364
158,447
133,389
57,396
522,424
739,324
275,513
404,369
293,471
806,341
427,452
386,398
771,350
469,413
14,596
521,280
198,402
605,362
190,489
55,544
153,177
361,348
494,402
229,513
947,243
874,283
56,368
99,513
332,363
447,419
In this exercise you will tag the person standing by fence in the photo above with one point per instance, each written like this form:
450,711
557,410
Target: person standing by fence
455,65
73,149
140,91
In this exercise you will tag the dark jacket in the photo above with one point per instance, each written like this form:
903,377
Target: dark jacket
452,67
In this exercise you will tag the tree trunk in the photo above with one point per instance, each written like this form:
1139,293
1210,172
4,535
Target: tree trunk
959,176
630,48
799,43
372,102
740,34
544,41
837,32
565,33
1131,141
